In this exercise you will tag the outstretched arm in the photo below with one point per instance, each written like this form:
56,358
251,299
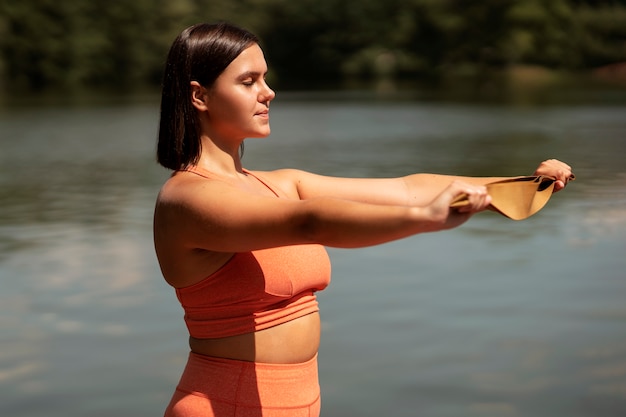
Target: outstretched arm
215,216
411,190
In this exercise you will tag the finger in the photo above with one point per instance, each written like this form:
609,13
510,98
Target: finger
558,185
477,199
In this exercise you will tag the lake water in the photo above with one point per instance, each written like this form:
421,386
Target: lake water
496,318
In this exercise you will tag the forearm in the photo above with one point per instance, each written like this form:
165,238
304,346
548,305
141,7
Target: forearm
349,224
416,189
343,223
421,189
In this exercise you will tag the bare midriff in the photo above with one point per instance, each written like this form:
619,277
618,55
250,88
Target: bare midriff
296,341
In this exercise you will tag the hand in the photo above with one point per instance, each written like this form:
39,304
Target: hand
440,212
557,169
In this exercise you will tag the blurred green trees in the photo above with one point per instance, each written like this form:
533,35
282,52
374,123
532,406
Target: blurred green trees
74,44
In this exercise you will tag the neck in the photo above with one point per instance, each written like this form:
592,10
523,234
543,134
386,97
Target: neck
221,158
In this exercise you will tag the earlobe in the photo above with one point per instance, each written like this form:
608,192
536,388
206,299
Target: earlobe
198,96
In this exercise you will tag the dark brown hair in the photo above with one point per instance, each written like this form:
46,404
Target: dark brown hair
200,53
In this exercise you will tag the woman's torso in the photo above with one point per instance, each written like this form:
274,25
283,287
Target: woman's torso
294,341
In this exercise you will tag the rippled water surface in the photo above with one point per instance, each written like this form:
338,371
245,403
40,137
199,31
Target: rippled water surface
497,318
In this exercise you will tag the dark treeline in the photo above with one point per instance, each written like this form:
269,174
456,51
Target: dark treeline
74,44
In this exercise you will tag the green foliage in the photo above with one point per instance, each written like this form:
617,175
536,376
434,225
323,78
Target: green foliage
116,44
601,34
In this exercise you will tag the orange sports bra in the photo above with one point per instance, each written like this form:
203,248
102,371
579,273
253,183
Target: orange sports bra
255,290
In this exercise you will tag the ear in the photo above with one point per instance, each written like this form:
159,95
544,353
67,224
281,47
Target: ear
199,96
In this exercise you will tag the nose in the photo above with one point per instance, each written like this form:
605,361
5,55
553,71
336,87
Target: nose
267,94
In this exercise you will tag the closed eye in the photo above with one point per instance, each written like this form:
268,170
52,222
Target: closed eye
249,78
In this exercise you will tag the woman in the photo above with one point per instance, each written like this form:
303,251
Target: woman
245,250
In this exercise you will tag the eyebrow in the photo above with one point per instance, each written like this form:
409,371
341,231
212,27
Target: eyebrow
250,74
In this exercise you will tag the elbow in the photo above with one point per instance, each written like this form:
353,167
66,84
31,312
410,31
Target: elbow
311,227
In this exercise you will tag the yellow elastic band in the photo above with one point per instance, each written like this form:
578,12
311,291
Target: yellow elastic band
517,198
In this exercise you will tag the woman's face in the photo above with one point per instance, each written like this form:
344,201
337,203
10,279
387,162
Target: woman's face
238,102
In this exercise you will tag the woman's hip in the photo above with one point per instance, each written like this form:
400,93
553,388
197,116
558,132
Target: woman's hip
219,387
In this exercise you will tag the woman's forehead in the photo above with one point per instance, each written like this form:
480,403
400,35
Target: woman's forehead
250,60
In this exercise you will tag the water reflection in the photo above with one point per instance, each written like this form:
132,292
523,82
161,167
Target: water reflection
497,318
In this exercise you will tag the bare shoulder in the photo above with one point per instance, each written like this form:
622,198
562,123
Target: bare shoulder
183,189
185,199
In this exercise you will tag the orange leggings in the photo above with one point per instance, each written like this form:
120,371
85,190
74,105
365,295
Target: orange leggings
216,387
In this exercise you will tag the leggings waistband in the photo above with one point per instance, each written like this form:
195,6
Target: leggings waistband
251,383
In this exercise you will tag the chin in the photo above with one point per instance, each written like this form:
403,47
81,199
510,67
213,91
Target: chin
262,134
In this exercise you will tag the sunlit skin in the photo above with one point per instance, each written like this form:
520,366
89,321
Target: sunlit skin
200,223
